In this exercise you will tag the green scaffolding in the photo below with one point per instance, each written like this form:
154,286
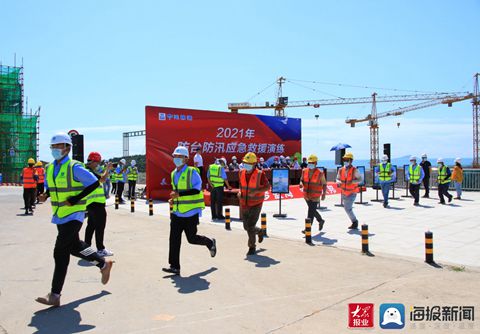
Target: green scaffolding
18,130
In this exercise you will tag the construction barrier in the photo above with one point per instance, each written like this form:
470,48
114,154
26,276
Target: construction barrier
264,224
227,219
429,247
308,230
150,207
365,249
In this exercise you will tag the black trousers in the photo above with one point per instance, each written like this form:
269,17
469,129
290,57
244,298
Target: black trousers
131,189
69,243
114,187
312,211
29,197
97,219
426,185
415,192
179,225
119,192
443,191
40,189
216,202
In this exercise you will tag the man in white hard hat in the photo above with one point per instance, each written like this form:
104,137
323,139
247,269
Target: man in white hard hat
427,170
121,172
234,164
68,184
415,176
443,179
385,177
132,176
188,203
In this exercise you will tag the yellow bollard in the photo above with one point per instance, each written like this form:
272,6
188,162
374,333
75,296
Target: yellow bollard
116,203
132,205
150,207
308,230
264,224
227,219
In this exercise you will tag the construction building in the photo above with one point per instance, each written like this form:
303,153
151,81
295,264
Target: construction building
19,127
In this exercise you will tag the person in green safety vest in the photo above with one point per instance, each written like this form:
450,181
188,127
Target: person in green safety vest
132,177
68,184
415,176
443,179
188,203
217,179
385,176
113,179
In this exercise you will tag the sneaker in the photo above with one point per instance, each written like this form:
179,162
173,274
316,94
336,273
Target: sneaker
458,198
213,249
26,212
104,252
51,299
260,234
251,251
416,204
441,202
106,271
425,196
354,226
172,270
450,199
320,224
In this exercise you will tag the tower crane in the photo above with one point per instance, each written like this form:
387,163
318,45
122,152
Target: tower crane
373,117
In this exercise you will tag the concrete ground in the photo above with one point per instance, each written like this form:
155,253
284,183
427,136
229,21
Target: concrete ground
288,287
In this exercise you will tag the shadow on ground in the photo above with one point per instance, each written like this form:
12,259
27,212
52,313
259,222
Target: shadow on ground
191,283
324,240
261,261
64,319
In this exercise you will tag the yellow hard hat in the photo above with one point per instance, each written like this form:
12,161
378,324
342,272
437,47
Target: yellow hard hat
312,158
348,156
250,158
31,161
39,164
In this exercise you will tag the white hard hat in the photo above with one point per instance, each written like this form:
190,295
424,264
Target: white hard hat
234,158
224,160
181,150
133,162
385,157
413,158
123,161
440,160
61,138
262,159
424,155
458,160
282,157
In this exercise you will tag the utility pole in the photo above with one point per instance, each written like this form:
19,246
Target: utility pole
475,104
373,123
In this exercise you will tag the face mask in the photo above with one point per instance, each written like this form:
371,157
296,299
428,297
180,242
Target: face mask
412,163
234,161
384,161
57,153
132,164
347,163
178,161
311,166
248,168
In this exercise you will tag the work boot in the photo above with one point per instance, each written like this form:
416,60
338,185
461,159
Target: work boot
51,299
441,202
260,234
251,251
106,271
213,249
426,196
354,225
450,199
172,270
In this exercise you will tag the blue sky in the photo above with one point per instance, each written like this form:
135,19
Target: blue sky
94,65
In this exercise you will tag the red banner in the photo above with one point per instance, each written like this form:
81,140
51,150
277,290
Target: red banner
217,134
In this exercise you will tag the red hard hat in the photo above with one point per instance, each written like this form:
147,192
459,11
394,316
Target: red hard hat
94,156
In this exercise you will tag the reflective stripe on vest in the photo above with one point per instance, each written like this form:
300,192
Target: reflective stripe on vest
132,173
250,194
312,187
64,186
384,173
184,204
97,196
28,180
215,178
443,177
414,174
347,186
41,174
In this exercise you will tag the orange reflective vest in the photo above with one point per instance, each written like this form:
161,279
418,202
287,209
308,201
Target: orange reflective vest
347,186
250,194
312,188
41,174
28,177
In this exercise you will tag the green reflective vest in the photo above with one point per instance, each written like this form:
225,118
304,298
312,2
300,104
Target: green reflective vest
443,177
64,186
184,204
97,196
132,173
384,173
414,174
215,175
